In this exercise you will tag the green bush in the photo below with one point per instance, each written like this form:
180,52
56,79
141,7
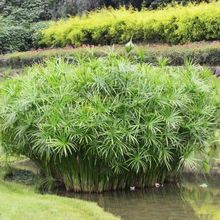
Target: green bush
172,25
26,10
108,123
35,31
19,36
18,28
42,10
14,38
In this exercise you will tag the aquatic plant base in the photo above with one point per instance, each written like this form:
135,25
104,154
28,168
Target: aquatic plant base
92,178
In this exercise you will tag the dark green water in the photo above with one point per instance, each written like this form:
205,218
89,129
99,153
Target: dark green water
189,201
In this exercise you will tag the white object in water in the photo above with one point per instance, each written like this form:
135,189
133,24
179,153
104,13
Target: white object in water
132,188
204,185
157,185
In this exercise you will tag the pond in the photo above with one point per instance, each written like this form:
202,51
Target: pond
194,199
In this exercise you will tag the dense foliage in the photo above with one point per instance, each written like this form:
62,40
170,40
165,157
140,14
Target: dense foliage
39,10
18,35
25,10
173,25
17,23
109,123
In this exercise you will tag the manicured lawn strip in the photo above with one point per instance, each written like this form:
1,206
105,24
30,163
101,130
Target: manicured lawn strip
21,202
203,53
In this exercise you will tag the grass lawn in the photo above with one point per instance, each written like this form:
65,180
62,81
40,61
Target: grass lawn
18,202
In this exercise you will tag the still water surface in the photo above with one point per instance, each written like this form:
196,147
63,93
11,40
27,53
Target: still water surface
189,201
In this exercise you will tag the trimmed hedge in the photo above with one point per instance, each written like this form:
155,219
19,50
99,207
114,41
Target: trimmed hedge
202,53
172,25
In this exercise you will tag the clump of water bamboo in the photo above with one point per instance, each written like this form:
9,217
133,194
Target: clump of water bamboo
109,123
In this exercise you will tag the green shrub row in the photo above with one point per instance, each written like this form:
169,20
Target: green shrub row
109,123
26,10
172,25
18,28
19,36
203,53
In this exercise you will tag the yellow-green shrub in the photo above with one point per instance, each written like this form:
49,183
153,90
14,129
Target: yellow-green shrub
173,25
